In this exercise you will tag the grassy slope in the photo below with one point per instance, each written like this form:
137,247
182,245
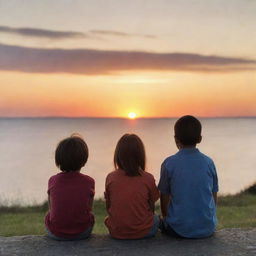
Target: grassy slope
233,211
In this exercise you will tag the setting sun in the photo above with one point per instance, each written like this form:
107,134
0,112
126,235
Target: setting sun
132,115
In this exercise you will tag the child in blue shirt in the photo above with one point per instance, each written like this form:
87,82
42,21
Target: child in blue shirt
188,185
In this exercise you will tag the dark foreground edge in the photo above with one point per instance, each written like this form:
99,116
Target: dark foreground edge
233,242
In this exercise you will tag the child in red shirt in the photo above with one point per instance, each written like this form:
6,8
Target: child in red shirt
70,193
131,193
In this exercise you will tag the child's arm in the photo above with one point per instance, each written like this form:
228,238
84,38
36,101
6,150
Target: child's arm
106,193
215,197
164,202
215,183
48,193
91,203
92,195
165,190
107,201
49,202
152,206
153,194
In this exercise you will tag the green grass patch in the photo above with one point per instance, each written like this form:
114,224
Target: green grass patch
17,224
237,211
233,212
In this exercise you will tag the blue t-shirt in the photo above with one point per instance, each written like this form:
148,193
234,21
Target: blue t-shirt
190,178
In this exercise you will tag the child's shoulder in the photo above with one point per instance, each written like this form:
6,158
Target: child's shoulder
170,159
148,175
87,178
206,158
114,173
120,173
54,177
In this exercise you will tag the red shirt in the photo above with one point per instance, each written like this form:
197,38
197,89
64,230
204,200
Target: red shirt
71,196
129,201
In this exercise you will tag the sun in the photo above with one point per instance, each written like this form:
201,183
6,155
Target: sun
132,115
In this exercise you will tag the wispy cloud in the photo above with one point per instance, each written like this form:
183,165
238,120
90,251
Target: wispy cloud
87,61
36,32
121,34
57,34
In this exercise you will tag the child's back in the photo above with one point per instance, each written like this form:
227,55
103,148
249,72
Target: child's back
131,193
70,193
190,180
130,215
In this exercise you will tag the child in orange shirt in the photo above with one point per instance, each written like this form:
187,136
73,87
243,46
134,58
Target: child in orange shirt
131,193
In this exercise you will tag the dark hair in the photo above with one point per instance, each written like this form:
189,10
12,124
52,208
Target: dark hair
71,154
188,130
130,155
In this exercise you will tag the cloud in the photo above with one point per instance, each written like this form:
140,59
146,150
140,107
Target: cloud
44,33
56,34
118,33
91,62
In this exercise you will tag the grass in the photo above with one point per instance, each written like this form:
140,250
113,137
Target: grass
237,211
233,212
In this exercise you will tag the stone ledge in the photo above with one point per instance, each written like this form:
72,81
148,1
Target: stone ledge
226,242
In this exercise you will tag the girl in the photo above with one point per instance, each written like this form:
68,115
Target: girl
130,193
70,193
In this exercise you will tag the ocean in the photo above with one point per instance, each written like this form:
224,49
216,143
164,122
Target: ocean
27,148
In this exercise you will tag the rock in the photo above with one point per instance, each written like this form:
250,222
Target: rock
228,242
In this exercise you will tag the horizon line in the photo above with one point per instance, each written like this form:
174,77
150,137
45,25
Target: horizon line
118,117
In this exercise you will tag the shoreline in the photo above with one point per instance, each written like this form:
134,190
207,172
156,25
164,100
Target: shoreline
222,200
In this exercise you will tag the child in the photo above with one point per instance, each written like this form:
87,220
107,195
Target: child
130,193
70,193
188,185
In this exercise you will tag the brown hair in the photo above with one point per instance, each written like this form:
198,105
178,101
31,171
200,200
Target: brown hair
130,155
71,154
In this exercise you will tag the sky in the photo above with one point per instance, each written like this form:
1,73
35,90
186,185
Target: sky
106,58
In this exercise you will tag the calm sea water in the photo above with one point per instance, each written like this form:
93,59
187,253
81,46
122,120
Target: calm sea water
27,151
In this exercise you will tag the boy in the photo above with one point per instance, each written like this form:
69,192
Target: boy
70,193
188,185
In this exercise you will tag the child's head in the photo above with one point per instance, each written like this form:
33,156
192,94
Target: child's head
130,155
71,154
187,132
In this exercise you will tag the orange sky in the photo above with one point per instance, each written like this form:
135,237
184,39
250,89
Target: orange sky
159,59
148,94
